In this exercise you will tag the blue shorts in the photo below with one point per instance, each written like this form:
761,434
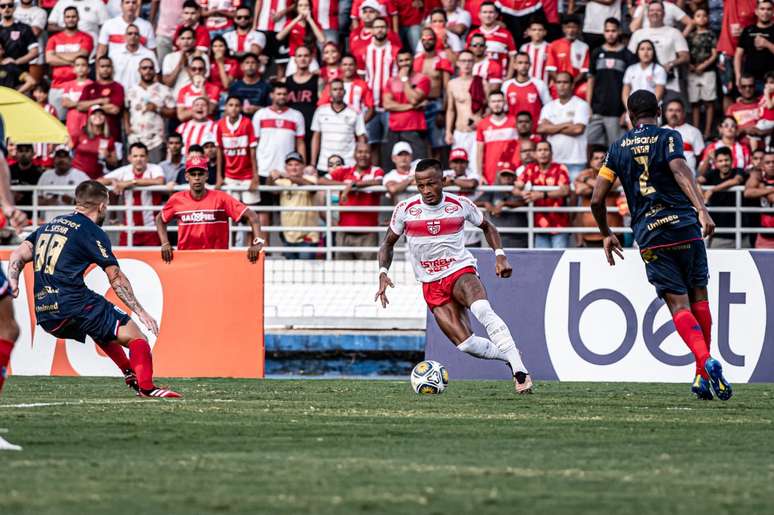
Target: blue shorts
678,268
99,319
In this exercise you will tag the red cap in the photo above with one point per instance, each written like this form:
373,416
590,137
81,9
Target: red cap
196,163
458,154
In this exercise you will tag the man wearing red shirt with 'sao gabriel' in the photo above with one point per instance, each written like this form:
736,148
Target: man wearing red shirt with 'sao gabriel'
202,216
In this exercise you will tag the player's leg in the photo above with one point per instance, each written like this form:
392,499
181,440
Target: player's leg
115,352
452,318
701,311
469,292
9,332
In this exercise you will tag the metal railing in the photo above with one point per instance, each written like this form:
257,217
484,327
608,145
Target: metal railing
330,207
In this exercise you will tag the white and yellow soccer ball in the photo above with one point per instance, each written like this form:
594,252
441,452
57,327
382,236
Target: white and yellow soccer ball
429,378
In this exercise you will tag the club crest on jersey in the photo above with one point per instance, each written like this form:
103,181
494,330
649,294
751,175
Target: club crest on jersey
415,211
451,208
531,97
434,227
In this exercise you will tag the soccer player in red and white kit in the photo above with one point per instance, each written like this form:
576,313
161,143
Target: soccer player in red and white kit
202,216
433,222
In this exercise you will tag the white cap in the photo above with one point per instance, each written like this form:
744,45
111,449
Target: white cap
402,146
375,5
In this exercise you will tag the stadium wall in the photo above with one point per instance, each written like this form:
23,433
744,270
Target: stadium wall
577,319
209,305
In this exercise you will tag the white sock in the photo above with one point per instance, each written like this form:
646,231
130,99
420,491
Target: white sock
499,334
481,348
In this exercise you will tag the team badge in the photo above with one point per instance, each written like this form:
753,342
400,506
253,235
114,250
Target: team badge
610,63
434,227
105,92
531,97
15,34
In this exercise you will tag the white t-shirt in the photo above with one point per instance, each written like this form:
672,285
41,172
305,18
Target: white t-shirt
126,173
645,78
238,47
459,15
277,133
338,132
113,34
91,15
597,13
436,234
672,14
126,65
183,79
693,143
567,149
50,178
668,42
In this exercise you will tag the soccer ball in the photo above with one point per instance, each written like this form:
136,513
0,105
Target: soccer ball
429,377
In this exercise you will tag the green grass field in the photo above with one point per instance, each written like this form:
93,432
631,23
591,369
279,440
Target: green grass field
340,447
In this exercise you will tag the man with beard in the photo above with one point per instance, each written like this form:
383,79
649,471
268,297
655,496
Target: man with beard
404,98
496,140
490,70
438,68
243,39
148,104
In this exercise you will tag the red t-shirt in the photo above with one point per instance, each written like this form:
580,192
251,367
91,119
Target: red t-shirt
232,68
236,143
86,154
555,175
189,93
202,36
408,15
413,120
357,95
114,92
62,43
203,223
500,145
358,198
746,115
75,120
328,73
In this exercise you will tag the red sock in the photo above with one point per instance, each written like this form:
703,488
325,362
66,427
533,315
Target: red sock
142,362
115,352
701,311
6,346
690,331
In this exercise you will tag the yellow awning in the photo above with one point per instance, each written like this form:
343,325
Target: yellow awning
27,122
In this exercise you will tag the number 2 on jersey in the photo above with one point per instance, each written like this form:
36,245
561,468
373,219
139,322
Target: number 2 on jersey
47,251
645,189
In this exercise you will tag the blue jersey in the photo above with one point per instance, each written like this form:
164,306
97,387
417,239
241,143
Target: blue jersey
63,249
661,213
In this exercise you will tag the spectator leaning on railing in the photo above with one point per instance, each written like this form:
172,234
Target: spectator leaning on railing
584,187
62,174
721,177
760,186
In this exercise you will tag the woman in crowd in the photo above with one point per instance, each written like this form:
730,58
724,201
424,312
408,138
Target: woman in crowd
94,149
646,74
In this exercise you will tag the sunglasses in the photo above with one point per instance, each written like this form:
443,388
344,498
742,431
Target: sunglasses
746,86
132,33
477,44
146,67
241,17
6,6
197,69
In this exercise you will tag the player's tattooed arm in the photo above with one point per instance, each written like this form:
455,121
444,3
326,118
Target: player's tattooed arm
687,182
19,257
386,252
123,288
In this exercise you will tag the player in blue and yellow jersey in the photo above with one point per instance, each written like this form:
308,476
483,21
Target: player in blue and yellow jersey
669,221
61,251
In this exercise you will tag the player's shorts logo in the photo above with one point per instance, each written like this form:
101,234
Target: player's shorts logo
434,227
415,211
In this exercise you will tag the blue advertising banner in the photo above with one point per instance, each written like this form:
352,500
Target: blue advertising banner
575,318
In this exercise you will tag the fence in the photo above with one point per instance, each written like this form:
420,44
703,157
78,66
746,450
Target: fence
329,207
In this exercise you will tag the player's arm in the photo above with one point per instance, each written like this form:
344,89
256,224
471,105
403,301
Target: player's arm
502,267
166,247
386,252
687,182
123,288
19,257
251,217
755,187
602,187
17,218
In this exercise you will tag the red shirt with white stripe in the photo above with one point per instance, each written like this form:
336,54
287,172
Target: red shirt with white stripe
519,7
62,43
538,58
380,65
435,234
490,70
358,198
194,132
277,133
113,33
326,13
357,95
555,175
740,153
499,43
500,139
528,96
359,41
568,56
202,223
269,8
236,141
189,93
746,115
217,22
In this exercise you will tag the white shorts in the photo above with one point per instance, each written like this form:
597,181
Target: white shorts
247,197
702,87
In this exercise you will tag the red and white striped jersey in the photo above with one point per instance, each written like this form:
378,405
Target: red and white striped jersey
194,132
242,43
568,56
499,43
489,70
380,65
236,142
740,153
276,132
693,143
538,58
326,13
435,234
269,8
519,7
528,96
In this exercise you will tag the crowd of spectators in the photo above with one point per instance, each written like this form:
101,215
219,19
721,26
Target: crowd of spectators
291,93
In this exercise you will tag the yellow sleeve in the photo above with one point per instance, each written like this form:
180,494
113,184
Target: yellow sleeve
607,173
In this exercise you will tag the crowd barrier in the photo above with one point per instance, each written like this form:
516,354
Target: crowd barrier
575,318
209,306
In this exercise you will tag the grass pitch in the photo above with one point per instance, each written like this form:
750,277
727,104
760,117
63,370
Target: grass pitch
340,447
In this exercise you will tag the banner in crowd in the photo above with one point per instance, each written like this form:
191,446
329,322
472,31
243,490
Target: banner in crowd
209,306
575,318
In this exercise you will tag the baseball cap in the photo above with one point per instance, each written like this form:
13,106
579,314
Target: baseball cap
458,154
96,107
62,149
375,5
294,156
506,170
196,163
401,146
